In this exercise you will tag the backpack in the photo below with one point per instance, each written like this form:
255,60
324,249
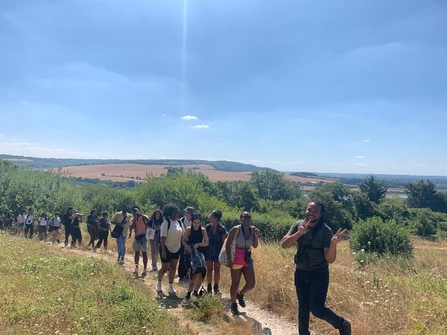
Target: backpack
198,263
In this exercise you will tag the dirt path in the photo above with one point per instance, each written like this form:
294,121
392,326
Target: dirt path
264,321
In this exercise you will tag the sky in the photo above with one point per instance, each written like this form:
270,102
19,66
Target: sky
342,86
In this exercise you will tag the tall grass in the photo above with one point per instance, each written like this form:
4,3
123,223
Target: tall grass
45,291
393,295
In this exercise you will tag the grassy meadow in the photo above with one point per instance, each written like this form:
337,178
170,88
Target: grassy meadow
389,296
47,290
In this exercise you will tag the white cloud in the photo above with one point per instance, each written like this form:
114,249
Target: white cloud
201,126
367,140
37,150
189,117
359,157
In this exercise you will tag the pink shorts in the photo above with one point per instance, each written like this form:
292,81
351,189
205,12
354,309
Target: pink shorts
239,259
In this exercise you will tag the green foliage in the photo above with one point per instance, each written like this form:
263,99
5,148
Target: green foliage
209,307
272,185
377,236
374,189
424,195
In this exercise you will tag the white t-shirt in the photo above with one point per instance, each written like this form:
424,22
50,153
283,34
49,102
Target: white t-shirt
55,221
187,223
174,236
29,219
42,221
21,218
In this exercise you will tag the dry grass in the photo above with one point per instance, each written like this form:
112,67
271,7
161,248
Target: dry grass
392,296
124,172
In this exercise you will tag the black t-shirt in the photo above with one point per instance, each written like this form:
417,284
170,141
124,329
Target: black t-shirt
67,221
310,250
76,223
196,236
92,220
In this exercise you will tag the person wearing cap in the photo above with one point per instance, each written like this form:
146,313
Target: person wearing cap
184,265
122,218
139,224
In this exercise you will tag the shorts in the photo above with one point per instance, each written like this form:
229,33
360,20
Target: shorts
239,259
169,255
140,245
52,228
212,257
21,225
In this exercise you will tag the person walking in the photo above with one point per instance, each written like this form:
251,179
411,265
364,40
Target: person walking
21,219
195,239
246,237
139,224
29,224
122,219
217,233
171,232
76,235
92,227
103,231
42,222
54,227
155,223
316,248
184,265
67,222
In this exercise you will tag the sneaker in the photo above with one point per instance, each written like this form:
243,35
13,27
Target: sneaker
135,272
158,286
186,298
234,309
345,328
240,298
216,289
209,289
171,289
154,269
143,274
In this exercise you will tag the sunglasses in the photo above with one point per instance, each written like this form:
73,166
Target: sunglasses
246,217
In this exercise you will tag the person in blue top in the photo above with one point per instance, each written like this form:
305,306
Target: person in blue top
316,248
217,233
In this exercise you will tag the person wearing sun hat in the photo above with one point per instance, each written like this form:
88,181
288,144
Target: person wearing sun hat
183,265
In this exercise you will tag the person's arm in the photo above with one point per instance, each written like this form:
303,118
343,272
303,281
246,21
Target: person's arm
294,234
204,242
256,233
331,253
185,238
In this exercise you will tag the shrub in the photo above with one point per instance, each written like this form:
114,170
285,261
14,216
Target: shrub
381,237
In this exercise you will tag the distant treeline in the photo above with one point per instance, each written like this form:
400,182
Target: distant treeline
50,163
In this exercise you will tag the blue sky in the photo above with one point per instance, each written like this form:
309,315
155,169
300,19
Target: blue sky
306,85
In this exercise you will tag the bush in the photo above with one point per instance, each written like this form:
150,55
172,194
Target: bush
377,236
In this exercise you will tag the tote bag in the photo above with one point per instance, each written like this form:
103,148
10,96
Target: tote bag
223,259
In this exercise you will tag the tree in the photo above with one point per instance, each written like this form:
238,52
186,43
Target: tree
272,185
424,195
374,189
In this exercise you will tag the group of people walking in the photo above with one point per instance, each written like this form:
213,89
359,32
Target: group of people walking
185,245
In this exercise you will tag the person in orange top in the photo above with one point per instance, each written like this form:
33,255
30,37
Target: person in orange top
139,224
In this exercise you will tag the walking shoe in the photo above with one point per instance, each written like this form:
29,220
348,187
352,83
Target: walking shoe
186,298
345,328
216,289
240,298
154,269
135,272
234,309
158,286
171,289
143,274
209,289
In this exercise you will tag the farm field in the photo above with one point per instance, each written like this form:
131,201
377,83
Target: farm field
124,172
